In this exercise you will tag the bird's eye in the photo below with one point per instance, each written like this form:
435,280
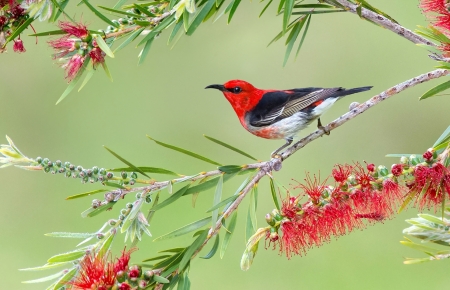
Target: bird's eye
237,90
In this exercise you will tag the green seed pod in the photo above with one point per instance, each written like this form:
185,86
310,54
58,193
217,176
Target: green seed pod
84,179
142,284
39,160
62,170
404,160
115,22
148,274
101,178
112,222
121,217
50,164
95,170
133,175
123,21
269,219
102,171
109,197
124,174
383,170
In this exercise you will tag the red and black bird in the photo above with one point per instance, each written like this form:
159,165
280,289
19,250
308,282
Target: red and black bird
280,114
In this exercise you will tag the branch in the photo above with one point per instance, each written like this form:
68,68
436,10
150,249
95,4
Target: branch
386,23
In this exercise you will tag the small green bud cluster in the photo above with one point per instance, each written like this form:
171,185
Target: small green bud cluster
91,175
135,278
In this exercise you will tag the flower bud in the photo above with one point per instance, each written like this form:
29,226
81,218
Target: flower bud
123,211
428,155
39,160
95,170
414,160
269,219
404,160
132,182
46,169
371,167
102,171
100,236
133,175
138,195
96,203
79,168
142,284
66,164
72,167
121,217
148,198
124,285
112,222
45,161
134,272
123,174
58,163
129,205
397,169
383,170
109,197
148,274
109,175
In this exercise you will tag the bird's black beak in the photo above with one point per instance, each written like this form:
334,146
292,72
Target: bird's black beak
218,87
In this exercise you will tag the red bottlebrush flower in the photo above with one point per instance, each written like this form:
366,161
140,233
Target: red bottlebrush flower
77,29
371,216
73,66
430,185
95,273
437,6
397,169
313,188
289,207
428,155
124,286
291,241
97,56
122,262
362,177
341,172
392,192
18,46
63,46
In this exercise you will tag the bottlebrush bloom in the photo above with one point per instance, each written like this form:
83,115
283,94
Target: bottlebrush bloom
341,172
431,185
78,30
437,6
73,66
95,273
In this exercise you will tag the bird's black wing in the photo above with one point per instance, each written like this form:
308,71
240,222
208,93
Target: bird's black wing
278,105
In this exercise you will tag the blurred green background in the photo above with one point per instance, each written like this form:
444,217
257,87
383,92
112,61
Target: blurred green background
165,99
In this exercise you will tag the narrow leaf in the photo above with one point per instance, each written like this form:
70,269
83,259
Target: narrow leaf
48,33
19,30
126,162
228,234
192,249
208,184
233,9
274,194
185,229
99,15
103,46
145,50
145,169
85,194
433,219
120,11
69,256
106,244
200,16
64,280
46,266
436,90
45,279
288,6
265,8
216,200
70,235
172,198
213,249
160,279
132,37
70,87
304,35
181,150
230,147
223,202
444,136
87,78
292,38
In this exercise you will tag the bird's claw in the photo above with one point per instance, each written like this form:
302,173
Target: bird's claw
324,129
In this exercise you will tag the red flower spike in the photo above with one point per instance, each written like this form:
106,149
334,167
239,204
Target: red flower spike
341,172
397,169
289,207
18,46
291,241
73,66
392,192
313,188
122,262
97,56
94,273
77,29
63,46
437,6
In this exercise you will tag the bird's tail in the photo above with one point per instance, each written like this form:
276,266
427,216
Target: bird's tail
344,92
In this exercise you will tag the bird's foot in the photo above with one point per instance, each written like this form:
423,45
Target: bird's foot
323,128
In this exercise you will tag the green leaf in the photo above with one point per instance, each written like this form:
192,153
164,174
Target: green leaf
160,279
99,15
106,244
305,6
265,8
399,155
250,225
419,247
436,90
46,266
145,169
292,38
172,198
155,31
304,35
119,3
143,10
317,12
60,9
19,30
411,261
69,256
113,184
70,235
207,184
223,202
86,78
64,280
233,9
359,10
103,46
48,33
91,212
132,215
75,196
213,249
181,150
107,72
228,234
120,11
409,197
144,52
132,37
274,194
443,138
433,219
280,6
175,30
200,16
45,279
217,198
125,161
185,229
288,6
192,248
157,258
229,147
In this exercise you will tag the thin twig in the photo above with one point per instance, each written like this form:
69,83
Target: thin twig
386,23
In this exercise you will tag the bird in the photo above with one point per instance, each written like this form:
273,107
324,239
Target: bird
280,114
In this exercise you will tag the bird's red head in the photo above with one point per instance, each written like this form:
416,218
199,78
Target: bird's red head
242,95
